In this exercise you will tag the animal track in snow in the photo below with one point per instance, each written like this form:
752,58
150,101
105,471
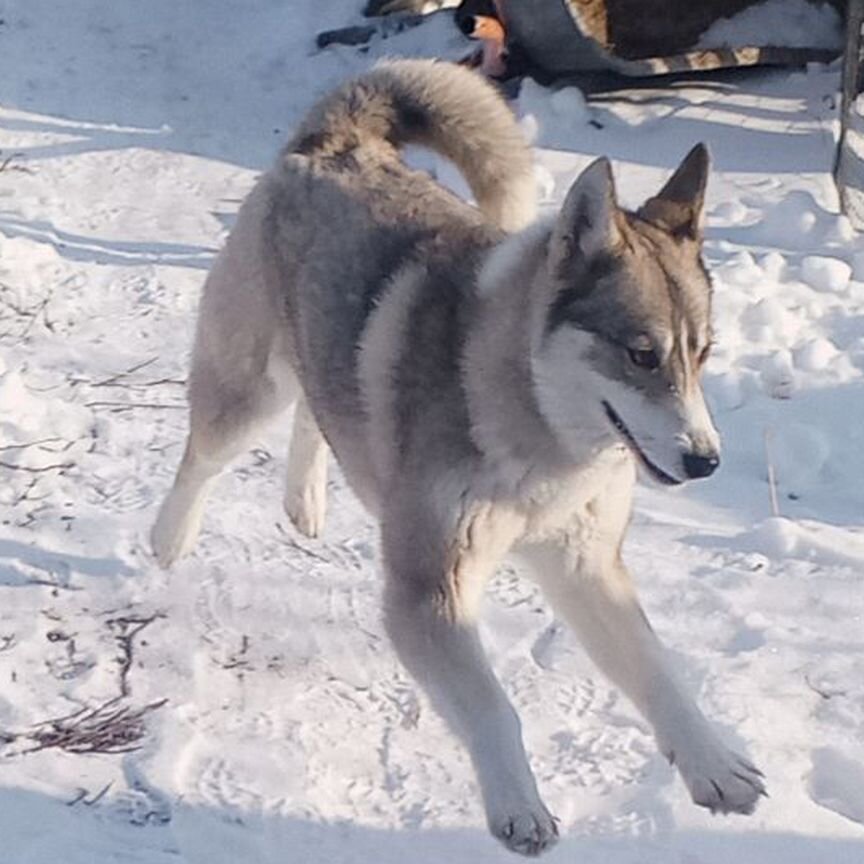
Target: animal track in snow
602,759
246,772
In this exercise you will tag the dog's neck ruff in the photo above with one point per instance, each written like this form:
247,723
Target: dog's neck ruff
508,424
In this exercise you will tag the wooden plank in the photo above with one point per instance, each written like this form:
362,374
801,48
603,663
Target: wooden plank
848,165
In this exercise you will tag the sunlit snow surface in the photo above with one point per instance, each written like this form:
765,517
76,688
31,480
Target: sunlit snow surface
291,734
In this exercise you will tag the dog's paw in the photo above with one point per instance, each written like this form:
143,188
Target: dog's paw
172,536
165,549
720,779
529,832
167,545
306,507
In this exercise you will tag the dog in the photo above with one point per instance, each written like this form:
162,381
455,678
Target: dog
489,383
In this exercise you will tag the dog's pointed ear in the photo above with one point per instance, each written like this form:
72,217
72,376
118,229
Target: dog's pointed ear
587,225
678,205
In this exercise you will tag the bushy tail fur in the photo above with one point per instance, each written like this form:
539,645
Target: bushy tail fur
439,105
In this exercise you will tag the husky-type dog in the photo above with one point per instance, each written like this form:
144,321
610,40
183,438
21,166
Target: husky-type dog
488,385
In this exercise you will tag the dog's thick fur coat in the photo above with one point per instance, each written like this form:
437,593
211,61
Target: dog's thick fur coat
488,386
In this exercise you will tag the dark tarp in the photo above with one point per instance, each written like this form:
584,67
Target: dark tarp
639,37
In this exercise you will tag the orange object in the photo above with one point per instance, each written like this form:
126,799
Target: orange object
486,27
491,33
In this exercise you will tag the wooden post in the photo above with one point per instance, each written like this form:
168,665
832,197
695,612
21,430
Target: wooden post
849,168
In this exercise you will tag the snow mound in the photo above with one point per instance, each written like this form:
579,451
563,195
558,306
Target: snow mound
818,543
795,219
790,23
826,274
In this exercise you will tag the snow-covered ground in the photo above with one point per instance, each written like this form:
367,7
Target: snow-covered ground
128,134
793,23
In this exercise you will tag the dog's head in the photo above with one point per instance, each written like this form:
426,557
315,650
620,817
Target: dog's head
627,327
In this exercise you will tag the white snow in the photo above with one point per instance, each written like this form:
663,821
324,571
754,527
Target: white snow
290,733
791,23
825,274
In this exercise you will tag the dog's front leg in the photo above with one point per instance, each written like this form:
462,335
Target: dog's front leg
588,584
437,567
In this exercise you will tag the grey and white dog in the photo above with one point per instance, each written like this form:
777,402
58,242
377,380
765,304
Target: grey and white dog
488,386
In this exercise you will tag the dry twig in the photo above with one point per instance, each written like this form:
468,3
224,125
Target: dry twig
108,728
38,443
113,379
8,164
129,406
294,544
59,466
772,477
126,629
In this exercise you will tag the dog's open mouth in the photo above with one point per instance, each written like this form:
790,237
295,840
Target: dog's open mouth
657,473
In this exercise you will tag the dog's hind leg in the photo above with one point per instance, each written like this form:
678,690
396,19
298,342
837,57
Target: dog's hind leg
436,576
179,520
222,423
589,585
306,483
237,383
241,372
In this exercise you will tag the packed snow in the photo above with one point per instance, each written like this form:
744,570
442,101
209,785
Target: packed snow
789,23
129,133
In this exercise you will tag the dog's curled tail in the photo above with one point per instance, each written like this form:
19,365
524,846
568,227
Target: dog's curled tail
439,105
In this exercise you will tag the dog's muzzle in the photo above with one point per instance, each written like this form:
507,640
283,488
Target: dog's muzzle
696,465
654,470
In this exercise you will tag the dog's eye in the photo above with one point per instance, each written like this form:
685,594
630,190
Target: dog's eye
645,358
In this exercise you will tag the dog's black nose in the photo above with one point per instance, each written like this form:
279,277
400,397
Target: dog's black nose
696,465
